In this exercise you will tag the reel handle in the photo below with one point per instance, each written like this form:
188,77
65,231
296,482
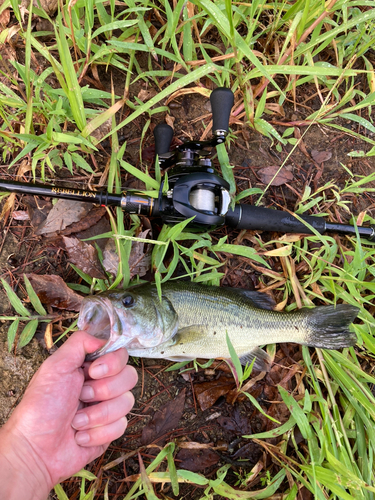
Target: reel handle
163,135
222,100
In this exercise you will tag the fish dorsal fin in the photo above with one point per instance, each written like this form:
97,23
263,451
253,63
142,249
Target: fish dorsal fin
262,359
258,299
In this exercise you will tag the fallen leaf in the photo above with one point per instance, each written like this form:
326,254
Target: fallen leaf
207,393
144,95
37,209
237,422
48,336
49,6
196,460
84,256
300,143
146,483
20,215
8,207
164,420
89,220
275,108
63,214
101,227
169,120
5,18
53,291
103,129
148,154
361,218
24,167
110,257
250,451
321,156
139,259
267,175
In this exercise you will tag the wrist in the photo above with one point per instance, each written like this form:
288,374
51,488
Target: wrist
21,475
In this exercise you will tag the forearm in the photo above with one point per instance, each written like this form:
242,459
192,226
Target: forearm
20,474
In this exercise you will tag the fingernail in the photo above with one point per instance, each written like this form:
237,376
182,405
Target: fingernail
82,437
87,393
80,420
99,371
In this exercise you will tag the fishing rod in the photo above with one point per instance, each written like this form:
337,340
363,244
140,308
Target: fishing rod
195,188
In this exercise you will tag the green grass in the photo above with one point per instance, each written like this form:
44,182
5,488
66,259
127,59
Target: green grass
264,51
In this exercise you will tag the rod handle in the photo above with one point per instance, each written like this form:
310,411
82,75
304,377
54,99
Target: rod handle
267,219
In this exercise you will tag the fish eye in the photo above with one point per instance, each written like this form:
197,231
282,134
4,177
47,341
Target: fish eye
128,300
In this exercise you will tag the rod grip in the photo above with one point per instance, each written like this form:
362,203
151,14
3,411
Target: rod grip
267,219
163,135
222,100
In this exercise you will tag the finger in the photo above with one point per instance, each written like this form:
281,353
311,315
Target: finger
109,387
73,352
103,413
102,435
109,365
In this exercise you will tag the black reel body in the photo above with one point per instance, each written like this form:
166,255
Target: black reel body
200,193
195,189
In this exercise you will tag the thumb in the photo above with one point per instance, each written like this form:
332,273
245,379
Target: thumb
74,350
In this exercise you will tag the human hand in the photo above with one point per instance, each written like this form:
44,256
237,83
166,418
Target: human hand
51,433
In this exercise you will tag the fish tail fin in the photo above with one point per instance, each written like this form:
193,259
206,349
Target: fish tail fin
328,326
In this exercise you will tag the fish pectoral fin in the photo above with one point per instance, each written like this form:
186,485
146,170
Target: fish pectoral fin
192,331
262,359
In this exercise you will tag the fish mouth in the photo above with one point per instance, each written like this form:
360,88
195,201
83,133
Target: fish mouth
99,319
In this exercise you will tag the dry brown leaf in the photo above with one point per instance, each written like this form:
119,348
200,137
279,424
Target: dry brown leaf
196,460
84,256
292,237
267,174
207,393
8,205
37,209
361,218
20,215
110,257
5,18
23,169
275,108
191,90
145,95
49,6
165,420
300,143
52,291
103,129
169,120
48,336
321,156
88,221
139,259
63,214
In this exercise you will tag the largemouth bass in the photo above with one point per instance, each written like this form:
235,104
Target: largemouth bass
192,321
